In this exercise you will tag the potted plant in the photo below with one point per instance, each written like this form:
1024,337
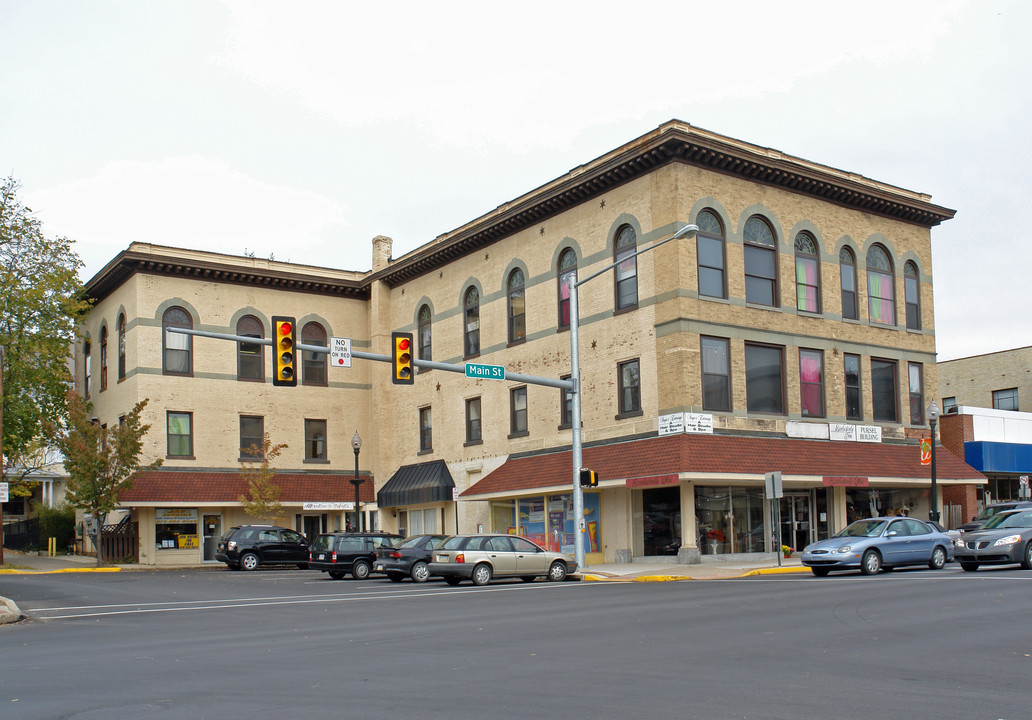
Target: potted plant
787,550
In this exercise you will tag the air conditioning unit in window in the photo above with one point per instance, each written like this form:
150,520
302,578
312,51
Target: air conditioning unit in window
951,410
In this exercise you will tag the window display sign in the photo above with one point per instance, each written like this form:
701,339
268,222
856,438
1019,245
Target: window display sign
175,515
556,532
188,542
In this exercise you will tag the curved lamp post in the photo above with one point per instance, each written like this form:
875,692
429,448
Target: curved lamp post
356,444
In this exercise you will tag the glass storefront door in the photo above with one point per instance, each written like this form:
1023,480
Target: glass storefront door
797,529
212,529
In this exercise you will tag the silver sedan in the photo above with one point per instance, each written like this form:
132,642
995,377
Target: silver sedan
480,558
1005,539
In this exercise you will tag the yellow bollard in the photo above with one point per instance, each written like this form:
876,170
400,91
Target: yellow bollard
52,547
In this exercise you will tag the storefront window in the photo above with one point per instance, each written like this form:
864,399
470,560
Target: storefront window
883,502
730,520
175,529
549,521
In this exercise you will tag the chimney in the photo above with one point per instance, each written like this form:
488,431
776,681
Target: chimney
382,246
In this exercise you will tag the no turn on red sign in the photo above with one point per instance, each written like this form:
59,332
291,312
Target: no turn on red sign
340,352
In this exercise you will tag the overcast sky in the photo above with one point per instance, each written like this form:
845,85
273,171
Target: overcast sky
302,130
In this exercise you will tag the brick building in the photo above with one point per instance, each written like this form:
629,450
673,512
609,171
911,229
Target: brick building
794,333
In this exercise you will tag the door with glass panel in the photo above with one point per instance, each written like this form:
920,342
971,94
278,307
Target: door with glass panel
212,525
796,520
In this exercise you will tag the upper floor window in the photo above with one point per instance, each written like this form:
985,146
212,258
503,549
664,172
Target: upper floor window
916,386
517,307
847,271
851,366
315,439
88,369
518,411
883,390
627,269
912,296
1005,399
565,406
426,430
313,364
710,248
881,303
629,378
473,429
179,441
761,264
567,272
471,317
811,382
121,346
424,333
250,356
764,379
103,358
716,374
177,348
807,272
252,437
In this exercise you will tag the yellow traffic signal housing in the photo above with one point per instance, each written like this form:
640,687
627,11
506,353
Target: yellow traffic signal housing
588,478
283,352
403,370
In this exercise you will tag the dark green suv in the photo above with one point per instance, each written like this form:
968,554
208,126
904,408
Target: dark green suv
342,553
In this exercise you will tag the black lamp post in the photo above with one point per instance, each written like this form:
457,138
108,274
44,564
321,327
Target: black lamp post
356,443
933,417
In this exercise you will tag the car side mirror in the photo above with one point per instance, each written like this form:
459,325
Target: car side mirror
891,533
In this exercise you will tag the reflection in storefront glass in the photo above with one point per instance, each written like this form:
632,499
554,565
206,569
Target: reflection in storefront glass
729,520
549,521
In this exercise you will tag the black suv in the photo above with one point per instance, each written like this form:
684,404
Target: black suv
990,510
341,553
251,546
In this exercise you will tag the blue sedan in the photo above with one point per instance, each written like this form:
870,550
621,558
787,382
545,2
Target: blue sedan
881,542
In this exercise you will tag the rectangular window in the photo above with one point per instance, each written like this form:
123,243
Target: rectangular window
883,390
760,276
565,406
811,382
518,411
426,430
711,266
180,434
629,375
315,439
716,374
947,403
473,421
808,292
911,294
764,379
1005,399
252,433
854,410
916,383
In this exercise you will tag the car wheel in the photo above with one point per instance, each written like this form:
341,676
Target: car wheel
968,566
453,580
1026,560
938,559
528,578
336,574
870,563
395,577
360,570
481,574
820,572
420,572
249,561
557,572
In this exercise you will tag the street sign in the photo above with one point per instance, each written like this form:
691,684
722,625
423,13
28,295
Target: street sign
772,485
488,372
3,492
926,451
340,352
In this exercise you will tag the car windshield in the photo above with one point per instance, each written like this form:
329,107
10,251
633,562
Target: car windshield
1010,520
412,542
862,528
989,512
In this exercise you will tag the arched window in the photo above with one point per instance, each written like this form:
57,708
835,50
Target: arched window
425,334
250,356
627,270
847,271
881,303
567,272
103,358
87,369
912,295
710,244
761,263
807,273
471,315
313,364
121,346
517,307
177,348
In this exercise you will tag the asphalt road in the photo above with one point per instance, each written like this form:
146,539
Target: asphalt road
287,643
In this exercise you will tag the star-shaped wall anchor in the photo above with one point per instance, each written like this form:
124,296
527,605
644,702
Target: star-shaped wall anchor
441,274
403,291
602,205
487,255
542,230
593,343
438,387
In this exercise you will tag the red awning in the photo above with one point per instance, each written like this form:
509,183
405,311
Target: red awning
158,486
653,461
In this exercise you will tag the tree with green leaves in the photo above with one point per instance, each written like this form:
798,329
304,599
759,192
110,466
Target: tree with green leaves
262,499
101,462
40,304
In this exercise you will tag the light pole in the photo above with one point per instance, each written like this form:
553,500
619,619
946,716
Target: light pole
578,493
933,417
356,444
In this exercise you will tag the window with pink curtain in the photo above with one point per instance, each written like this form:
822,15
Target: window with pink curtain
811,382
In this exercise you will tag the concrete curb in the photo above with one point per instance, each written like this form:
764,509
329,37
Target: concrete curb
672,578
9,611
12,571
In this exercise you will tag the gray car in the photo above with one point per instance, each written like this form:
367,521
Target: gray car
481,557
1004,539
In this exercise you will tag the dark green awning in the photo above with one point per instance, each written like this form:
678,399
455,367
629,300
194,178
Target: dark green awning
415,484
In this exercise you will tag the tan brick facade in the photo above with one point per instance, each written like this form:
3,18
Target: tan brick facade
972,380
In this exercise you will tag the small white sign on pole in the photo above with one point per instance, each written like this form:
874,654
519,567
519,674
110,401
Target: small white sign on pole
3,492
340,352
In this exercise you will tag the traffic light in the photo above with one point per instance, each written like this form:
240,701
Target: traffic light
403,370
283,354
588,478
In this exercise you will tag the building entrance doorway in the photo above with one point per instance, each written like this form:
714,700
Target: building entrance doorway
661,511
797,527
312,525
212,529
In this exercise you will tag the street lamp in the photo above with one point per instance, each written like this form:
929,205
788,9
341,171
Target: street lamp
933,417
356,443
578,493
